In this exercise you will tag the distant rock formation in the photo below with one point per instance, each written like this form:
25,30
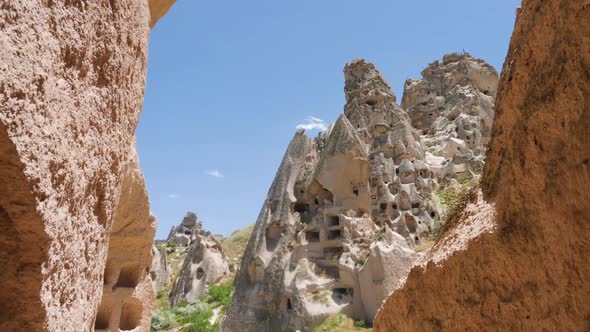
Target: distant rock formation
205,264
452,106
160,272
517,260
72,78
185,233
338,230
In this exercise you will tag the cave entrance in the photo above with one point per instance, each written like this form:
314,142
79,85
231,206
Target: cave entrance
312,236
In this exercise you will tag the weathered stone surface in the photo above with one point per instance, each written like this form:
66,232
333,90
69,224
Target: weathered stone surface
530,273
71,88
127,291
345,210
204,265
160,272
452,107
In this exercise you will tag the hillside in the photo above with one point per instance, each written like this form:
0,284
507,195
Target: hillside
235,244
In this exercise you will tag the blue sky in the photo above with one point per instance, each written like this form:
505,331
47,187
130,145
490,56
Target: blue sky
229,81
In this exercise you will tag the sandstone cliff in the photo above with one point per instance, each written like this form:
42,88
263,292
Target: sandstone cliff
71,88
527,267
338,230
127,291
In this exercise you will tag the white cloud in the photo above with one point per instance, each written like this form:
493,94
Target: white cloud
173,196
215,173
311,123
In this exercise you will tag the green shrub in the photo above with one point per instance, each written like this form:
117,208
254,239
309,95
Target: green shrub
199,322
220,294
454,196
184,309
161,320
360,323
341,322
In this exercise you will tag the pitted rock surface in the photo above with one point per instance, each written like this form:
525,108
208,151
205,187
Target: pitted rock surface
452,107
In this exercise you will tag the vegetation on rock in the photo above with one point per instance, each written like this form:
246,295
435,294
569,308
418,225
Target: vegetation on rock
341,323
198,316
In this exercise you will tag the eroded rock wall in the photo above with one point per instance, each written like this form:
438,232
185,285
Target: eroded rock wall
529,269
128,291
72,76
72,87
452,106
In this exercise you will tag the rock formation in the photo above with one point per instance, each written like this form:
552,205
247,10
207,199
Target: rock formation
204,265
72,79
452,107
338,228
127,291
526,269
185,233
160,272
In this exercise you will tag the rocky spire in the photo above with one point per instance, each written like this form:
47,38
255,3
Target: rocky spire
453,108
188,230
337,229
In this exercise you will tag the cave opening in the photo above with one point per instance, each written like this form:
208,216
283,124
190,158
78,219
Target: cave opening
128,276
130,314
312,236
334,234
333,221
200,273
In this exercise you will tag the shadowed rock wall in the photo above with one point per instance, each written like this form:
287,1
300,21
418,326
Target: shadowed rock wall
531,272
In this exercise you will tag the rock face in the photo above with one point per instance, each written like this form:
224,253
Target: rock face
185,233
204,265
531,271
127,291
72,79
452,107
337,231
70,101
160,272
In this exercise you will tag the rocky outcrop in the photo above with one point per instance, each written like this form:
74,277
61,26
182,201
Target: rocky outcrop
338,228
187,232
159,8
127,291
72,79
452,106
205,265
528,268
160,272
